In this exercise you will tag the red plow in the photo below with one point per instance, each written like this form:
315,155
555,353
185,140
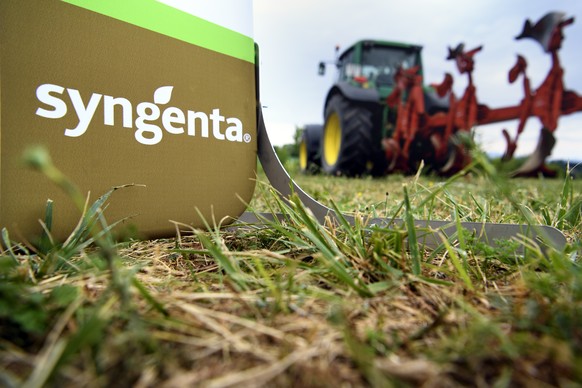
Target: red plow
434,137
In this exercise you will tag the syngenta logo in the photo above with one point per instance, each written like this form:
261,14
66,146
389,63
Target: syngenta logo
174,120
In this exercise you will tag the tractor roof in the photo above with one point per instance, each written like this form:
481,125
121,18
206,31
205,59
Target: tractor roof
375,42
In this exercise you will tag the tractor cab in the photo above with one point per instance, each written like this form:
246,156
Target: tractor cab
372,64
357,116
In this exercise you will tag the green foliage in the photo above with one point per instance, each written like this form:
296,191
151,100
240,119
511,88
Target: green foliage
290,151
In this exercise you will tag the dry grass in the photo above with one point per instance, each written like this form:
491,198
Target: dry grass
270,307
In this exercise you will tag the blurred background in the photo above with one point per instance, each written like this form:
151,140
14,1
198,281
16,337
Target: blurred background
294,36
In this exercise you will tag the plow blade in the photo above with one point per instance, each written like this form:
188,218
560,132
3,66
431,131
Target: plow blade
457,159
535,163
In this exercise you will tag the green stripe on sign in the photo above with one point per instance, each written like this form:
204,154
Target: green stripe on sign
163,19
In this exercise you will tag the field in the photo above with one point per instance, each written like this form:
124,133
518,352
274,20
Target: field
300,304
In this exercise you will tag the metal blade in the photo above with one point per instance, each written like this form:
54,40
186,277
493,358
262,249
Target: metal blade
428,232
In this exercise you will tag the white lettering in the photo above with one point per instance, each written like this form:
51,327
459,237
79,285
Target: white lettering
151,120
84,114
109,104
172,116
43,93
235,131
143,127
216,120
201,116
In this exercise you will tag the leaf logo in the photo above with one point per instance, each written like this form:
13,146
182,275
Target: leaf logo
163,94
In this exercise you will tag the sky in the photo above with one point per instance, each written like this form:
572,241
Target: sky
295,35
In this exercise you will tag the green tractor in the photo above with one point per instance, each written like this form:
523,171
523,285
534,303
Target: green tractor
356,114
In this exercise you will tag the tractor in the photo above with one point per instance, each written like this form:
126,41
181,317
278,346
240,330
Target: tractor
380,117
357,115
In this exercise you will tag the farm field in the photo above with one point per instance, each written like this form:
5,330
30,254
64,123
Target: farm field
299,304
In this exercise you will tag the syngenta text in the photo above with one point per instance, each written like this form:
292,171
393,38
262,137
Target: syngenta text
174,120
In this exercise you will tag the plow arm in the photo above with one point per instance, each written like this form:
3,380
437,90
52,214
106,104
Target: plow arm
485,115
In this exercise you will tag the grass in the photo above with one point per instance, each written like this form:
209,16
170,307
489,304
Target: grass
301,304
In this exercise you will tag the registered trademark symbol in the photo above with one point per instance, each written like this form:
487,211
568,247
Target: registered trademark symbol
247,138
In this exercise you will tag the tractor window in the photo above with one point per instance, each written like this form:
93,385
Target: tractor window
379,63
348,69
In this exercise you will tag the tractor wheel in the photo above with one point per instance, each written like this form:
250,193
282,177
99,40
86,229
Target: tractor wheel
349,146
309,149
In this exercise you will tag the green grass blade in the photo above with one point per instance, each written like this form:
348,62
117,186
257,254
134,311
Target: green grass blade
8,244
458,265
148,297
225,262
411,229
46,242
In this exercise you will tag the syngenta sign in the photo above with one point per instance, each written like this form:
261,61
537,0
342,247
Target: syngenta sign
201,24
100,82
149,119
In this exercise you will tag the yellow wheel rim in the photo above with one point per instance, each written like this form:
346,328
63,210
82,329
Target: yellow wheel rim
332,139
303,155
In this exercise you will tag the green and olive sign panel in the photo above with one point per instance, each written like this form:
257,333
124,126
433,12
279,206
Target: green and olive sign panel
159,94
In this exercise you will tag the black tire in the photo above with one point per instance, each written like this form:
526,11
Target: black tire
309,149
350,144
